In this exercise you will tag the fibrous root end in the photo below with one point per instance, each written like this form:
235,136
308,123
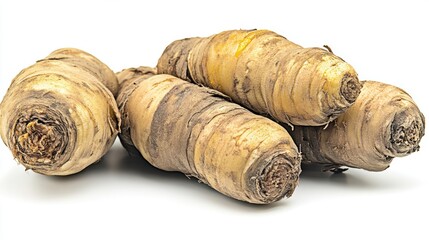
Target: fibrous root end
278,179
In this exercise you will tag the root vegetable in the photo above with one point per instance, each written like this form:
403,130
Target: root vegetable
267,73
179,126
59,115
383,123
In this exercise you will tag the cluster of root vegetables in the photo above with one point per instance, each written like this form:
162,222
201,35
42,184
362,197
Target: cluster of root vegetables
239,110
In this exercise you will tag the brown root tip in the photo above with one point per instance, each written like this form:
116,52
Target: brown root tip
406,132
39,142
278,179
350,87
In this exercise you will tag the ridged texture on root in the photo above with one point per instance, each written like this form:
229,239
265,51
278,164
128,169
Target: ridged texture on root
179,126
383,123
59,115
267,73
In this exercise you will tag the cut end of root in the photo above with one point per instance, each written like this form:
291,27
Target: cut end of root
39,142
278,179
350,87
407,129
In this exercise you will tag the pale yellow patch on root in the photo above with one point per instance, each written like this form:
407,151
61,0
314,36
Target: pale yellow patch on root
267,73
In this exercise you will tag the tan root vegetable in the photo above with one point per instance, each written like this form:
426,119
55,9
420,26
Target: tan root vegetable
179,126
267,73
59,115
383,123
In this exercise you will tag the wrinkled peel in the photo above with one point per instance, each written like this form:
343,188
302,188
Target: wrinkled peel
267,73
383,123
179,126
59,115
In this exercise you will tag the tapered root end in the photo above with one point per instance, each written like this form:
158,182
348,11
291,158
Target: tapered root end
350,87
407,129
39,141
278,179
174,59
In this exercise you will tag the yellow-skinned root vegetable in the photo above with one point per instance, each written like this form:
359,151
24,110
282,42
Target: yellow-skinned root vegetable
60,115
267,73
179,126
383,123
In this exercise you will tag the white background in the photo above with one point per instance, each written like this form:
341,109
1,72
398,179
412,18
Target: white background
123,198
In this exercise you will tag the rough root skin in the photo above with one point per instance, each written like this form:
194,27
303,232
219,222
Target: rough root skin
383,123
267,73
129,80
179,126
59,115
